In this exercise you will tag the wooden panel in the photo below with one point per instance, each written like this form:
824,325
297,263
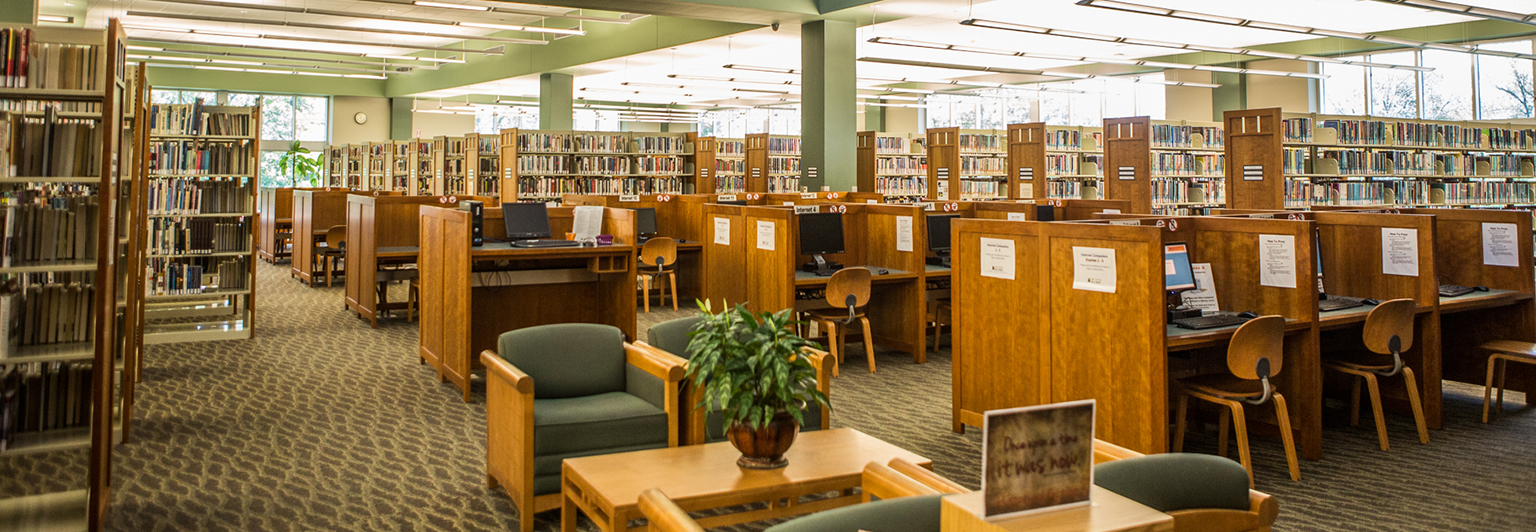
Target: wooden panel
997,341
725,265
314,210
771,278
864,156
1026,153
1128,148
757,162
944,153
1254,138
1076,209
703,178
897,311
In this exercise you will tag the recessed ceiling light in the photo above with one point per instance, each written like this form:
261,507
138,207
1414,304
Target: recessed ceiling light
451,6
61,19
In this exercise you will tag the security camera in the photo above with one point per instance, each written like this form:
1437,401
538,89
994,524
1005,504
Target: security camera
775,26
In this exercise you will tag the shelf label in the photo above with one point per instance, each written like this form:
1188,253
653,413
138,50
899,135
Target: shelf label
506,174
1253,172
1026,172
810,172
628,198
1126,173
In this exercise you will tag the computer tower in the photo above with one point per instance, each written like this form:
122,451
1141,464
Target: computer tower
476,219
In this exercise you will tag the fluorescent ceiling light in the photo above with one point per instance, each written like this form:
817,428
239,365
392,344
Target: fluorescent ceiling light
877,104
499,50
229,62
739,89
318,26
61,19
996,25
652,85
513,27
372,65
1217,19
1055,57
366,76
415,58
451,6
775,70
890,97
460,108
1463,9
388,18
219,68
980,68
325,74
144,48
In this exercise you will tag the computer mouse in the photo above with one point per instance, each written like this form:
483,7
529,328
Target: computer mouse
884,271
1372,302
1248,314
1480,288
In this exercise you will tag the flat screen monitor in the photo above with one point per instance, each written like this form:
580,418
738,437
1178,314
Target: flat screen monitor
526,221
738,203
1179,275
1045,213
938,231
821,232
645,221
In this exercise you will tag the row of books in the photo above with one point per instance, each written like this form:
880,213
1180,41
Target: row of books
660,165
1297,129
196,275
905,186
1070,189
661,145
489,146
489,165
1070,164
730,184
730,166
1294,160
1302,193
454,186
730,148
197,157
891,145
553,187
978,189
1188,191
778,184
974,142
195,119
38,106
1415,134
451,167
198,196
784,165
901,165
49,228
30,64
1068,139
197,236
600,165
450,146
1193,164
52,310
783,146
49,146
1174,136
1483,192
973,165
489,185
43,396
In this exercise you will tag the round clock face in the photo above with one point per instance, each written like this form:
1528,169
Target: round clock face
360,118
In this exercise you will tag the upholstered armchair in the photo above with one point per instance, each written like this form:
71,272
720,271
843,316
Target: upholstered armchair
568,390
699,427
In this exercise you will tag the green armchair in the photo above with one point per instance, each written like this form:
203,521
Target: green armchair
697,427
595,394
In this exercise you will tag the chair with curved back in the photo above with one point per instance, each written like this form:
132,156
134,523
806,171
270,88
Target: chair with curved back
658,253
1388,332
848,293
1254,355
332,250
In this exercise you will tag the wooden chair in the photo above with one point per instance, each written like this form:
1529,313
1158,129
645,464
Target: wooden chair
1504,352
847,292
1388,331
659,252
412,298
1254,355
941,313
332,250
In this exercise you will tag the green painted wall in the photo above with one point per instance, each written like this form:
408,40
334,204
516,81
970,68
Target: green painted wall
828,50
555,101
18,11
400,119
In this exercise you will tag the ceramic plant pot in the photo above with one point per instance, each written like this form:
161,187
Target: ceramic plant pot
764,448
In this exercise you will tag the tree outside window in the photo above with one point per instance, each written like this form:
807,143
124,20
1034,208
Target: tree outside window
1504,84
1448,89
1344,88
1394,93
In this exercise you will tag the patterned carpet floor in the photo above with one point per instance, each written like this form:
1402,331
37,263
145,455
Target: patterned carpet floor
323,423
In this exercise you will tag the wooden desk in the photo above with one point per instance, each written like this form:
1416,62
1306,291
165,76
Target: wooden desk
314,212
679,217
702,477
375,222
274,207
1110,512
1181,339
470,295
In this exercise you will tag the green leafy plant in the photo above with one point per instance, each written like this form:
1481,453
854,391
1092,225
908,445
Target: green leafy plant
751,366
296,164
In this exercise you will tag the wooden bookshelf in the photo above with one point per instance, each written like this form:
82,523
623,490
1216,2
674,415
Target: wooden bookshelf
132,235
729,160
967,164
1127,165
1073,162
1254,159
545,164
892,166
484,165
398,170
448,165
201,226
97,345
1363,161
335,165
1027,178
423,179
352,175
1188,172
772,163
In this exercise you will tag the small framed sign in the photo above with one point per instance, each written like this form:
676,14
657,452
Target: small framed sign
1037,459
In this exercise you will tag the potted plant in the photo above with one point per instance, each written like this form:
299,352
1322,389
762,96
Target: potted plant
295,164
753,369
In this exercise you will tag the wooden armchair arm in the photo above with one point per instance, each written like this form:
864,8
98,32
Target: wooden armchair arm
663,365
664,515
880,481
495,365
926,477
823,380
1266,506
1104,451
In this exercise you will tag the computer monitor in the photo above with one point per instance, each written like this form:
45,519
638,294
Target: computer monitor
1178,274
526,221
1045,213
938,238
1317,260
821,232
738,203
645,221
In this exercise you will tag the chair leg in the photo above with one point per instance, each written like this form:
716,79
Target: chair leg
1381,420
1493,362
842,342
1503,372
869,345
1283,417
672,277
1354,400
1224,429
1178,424
329,264
645,293
938,330
1418,408
1241,424
832,336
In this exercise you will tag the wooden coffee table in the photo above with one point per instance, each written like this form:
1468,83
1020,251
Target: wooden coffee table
699,477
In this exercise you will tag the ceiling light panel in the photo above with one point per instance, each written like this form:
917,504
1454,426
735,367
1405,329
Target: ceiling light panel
319,26
439,21
1083,59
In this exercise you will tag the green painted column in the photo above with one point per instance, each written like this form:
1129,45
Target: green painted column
827,111
1232,95
874,118
555,101
400,126
18,11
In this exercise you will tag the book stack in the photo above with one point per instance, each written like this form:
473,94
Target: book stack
730,184
42,227
40,65
197,236
661,145
783,145
43,396
971,142
658,165
988,166
890,145
49,146
1298,129
601,143
785,183
901,186
543,142
191,196
731,148
730,166
601,165
201,157
196,275
784,165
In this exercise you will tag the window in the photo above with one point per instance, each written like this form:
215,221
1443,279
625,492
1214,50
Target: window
1504,84
594,120
1055,108
284,119
1119,98
182,97
1447,91
987,109
493,119
1394,93
1152,98
1344,88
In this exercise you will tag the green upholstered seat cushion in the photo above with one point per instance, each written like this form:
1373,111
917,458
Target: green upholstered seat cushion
672,335
906,514
567,359
603,421
1177,481
546,469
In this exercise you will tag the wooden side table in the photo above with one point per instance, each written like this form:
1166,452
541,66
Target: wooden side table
1110,512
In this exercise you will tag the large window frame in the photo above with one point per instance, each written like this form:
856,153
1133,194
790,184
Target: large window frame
1476,85
274,142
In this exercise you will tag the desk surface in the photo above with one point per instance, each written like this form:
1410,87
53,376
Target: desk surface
1110,512
1338,318
1476,300
805,278
932,269
1180,338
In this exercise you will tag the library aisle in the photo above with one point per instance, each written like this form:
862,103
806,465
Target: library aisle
321,423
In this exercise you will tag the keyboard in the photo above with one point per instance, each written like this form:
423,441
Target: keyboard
1209,322
546,244
1451,290
1339,303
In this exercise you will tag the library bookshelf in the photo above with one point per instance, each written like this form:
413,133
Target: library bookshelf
483,165
892,166
1368,161
967,164
772,163
423,166
729,160
200,174
448,165
1188,167
542,165
336,166
1053,162
65,229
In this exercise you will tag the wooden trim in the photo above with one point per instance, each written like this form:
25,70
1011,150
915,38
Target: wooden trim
1128,147
1255,137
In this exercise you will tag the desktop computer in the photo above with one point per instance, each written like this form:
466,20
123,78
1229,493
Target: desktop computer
645,223
1179,276
938,238
821,233
527,226
476,219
